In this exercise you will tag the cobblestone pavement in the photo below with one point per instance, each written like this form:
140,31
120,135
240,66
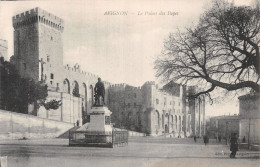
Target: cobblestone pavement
143,151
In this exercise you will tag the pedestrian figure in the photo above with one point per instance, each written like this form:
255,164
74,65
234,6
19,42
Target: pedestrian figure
233,145
195,139
244,139
219,139
206,140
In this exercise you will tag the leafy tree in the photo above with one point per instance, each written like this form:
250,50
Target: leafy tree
75,91
221,51
18,92
53,104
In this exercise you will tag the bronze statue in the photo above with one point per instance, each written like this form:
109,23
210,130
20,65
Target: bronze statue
99,91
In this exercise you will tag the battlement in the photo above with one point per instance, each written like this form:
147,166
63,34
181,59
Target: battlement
76,68
132,88
125,87
122,85
149,83
38,15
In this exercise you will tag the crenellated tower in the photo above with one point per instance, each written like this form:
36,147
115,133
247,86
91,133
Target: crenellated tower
38,46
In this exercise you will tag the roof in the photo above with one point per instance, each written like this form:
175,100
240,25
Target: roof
249,96
172,88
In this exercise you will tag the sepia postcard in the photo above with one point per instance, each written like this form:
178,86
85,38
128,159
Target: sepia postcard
153,83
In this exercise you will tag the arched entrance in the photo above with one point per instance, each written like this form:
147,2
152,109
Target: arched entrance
176,123
157,118
85,103
166,129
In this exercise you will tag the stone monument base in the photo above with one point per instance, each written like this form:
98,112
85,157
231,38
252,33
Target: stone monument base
100,119
98,132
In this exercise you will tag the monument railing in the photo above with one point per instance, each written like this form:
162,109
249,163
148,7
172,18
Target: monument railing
98,138
120,137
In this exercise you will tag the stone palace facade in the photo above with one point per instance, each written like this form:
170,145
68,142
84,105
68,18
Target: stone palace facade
38,54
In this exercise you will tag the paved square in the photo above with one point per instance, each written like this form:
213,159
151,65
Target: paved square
143,151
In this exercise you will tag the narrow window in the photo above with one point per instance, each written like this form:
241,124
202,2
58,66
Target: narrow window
52,76
157,101
24,65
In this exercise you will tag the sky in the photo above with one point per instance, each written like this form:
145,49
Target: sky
124,46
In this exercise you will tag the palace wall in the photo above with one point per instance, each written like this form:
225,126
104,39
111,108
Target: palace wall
17,126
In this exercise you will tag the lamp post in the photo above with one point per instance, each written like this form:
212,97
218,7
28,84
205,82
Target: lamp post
226,133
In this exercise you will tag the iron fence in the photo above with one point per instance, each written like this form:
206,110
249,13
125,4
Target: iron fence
98,138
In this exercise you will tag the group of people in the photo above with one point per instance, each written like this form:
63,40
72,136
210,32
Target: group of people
233,143
205,139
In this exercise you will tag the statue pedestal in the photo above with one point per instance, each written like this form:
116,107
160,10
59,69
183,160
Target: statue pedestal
98,132
100,119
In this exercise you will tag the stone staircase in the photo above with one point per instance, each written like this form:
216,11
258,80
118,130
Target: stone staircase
65,135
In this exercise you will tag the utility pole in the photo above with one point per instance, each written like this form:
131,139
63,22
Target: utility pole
199,119
249,132
226,133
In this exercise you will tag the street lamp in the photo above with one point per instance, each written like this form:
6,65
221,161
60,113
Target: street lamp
226,132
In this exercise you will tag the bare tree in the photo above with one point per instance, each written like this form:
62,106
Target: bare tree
221,51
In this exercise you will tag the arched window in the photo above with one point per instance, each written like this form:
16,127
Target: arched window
66,86
157,118
162,121
180,123
130,114
138,118
75,91
176,122
172,120
85,93
122,115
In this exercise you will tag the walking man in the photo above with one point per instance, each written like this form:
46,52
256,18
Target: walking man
233,145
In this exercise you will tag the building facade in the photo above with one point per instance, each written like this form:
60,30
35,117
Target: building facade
197,112
249,125
223,126
156,110
38,54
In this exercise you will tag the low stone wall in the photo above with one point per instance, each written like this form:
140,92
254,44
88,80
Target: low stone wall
133,133
70,111
130,133
3,161
17,126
